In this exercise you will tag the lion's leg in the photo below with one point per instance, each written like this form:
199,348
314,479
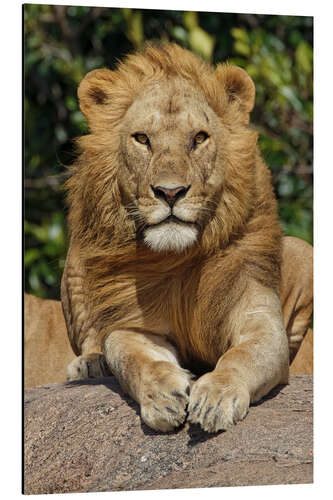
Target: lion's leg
296,293
249,370
147,368
90,361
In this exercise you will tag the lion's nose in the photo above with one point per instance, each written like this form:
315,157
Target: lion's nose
170,195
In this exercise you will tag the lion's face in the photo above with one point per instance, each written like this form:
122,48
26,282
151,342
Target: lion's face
171,133
171,171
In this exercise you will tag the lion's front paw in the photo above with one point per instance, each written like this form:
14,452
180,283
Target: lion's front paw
165,396
89,366
217,402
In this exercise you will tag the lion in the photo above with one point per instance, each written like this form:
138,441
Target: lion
173,273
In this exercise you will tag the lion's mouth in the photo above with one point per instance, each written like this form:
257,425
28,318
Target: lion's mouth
173,218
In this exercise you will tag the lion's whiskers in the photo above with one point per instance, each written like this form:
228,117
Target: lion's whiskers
135,213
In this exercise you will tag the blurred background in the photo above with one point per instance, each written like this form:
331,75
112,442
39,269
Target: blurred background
61,44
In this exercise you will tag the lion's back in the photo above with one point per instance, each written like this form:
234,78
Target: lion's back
47,350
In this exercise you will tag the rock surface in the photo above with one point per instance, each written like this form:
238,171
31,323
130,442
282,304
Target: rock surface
88,436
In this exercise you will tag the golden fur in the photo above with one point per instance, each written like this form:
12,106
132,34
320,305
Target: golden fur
302,364
200,289
296,294
47,350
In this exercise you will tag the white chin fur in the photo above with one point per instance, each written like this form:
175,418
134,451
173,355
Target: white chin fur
170,237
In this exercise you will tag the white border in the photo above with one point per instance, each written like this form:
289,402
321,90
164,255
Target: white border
10,211
285,7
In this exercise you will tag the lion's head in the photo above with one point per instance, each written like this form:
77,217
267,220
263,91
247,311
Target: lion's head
170,158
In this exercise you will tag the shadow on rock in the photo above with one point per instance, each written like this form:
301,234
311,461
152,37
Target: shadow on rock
197,435
274,392
112,384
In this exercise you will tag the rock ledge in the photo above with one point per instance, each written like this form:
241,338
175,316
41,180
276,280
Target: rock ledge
88,436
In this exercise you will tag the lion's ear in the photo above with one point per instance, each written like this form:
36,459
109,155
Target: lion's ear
237,84
94,90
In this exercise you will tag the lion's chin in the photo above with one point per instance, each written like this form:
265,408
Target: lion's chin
171,237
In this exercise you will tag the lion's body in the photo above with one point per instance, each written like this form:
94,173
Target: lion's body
47,350
176,246
296,295
302,363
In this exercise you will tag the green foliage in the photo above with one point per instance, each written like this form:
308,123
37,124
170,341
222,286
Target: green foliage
61,44
283,115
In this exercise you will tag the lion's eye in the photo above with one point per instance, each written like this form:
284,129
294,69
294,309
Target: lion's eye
200,138
141,138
